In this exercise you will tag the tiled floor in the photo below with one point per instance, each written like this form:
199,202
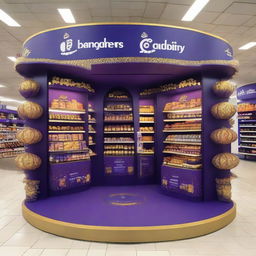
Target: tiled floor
19,238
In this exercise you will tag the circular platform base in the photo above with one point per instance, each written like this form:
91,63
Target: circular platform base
127,214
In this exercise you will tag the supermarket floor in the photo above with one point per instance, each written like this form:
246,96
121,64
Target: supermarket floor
19,238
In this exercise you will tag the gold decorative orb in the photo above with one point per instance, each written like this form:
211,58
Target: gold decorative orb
28,161
30,110
223,188
29,136
225,161
223,136
29,88
223,110
223,89
31,189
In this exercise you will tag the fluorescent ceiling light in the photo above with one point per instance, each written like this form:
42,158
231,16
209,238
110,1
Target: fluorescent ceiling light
12,58
2,86
67,15
247,46
8,20
194,10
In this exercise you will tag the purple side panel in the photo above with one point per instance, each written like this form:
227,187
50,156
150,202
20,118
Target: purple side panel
120,166
146,166
209,148
67,176
41,148
186,183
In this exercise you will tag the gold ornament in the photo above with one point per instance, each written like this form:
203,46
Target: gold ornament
29,136
30,110
223,110
28,161
29,88
223,187
225,161
223,136
31,189
223,89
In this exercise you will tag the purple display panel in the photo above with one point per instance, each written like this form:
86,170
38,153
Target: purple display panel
183,183
68,176
209,148
119,165
146,166
246,92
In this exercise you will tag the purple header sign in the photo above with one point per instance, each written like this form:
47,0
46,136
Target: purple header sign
97,41
246,92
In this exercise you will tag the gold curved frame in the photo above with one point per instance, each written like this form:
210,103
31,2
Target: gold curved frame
129,234
125,23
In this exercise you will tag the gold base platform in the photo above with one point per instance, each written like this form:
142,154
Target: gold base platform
129,234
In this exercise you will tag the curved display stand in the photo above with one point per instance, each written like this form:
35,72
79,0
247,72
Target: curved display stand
246,96
126,150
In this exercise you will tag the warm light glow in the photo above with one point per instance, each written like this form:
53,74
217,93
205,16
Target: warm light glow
194,10
5,99
8,20
67,15
247,46
2,86
12,58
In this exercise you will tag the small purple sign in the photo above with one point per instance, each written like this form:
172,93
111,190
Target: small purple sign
182,181
246,92
65,176
146,166
119,165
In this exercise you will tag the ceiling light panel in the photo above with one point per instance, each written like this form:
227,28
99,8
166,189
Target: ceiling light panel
194,10
67,15
247,46
8,20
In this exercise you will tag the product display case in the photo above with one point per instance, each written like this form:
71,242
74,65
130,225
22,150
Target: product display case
127,138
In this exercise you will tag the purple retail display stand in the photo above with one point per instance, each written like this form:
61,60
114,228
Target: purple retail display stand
122,198
247,120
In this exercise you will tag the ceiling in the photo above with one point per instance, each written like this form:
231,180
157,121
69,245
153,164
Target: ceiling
232,20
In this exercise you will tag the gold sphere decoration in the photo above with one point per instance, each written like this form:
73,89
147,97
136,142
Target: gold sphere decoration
30,110
224,136
28,161
29,136
223,89
223,110
225,161
29,88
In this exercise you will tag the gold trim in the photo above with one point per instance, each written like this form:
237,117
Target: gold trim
129,234
125,23
89,62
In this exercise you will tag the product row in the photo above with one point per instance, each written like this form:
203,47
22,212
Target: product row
189,162
61,158
65,128
118,94
62,102
244,107
118,139
184,115
180,105
183,149
55,116
14,144
65,137
118,107
119,150
67,145
147,129
118,117
196,138
147,109
146,119
187,125
118,128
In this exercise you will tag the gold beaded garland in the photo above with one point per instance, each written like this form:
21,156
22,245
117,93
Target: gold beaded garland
223,110
29,136
28,161
30,110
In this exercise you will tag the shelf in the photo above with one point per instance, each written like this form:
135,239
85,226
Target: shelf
182,119
248,111
91,110
118,142
244,136
147,122
92,132
247,120
145,132
118,121
247,141
183,110
93,154
146,153
92,122
249,154
67,162
180,167
246,147
118,110
186,143
147,141
11,132
147,114
6,141
178,153
66,121
68,151
66,131
182,130
118,132
92,144
251,126
67,111
247,131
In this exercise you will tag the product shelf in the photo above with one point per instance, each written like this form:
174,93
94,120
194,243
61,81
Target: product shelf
68,111
146,132
91,131
246,147
147,114
183,110
183,142
247,131
67,162
92,122
118,142
68,151
249,154
147,122
247,136
248,126
119,132
117,110
66,131
146,153
66,121
147,142
182,130
180,167
118,121
247,141
179,153
182,119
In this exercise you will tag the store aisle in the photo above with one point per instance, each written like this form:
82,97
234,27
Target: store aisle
19,238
